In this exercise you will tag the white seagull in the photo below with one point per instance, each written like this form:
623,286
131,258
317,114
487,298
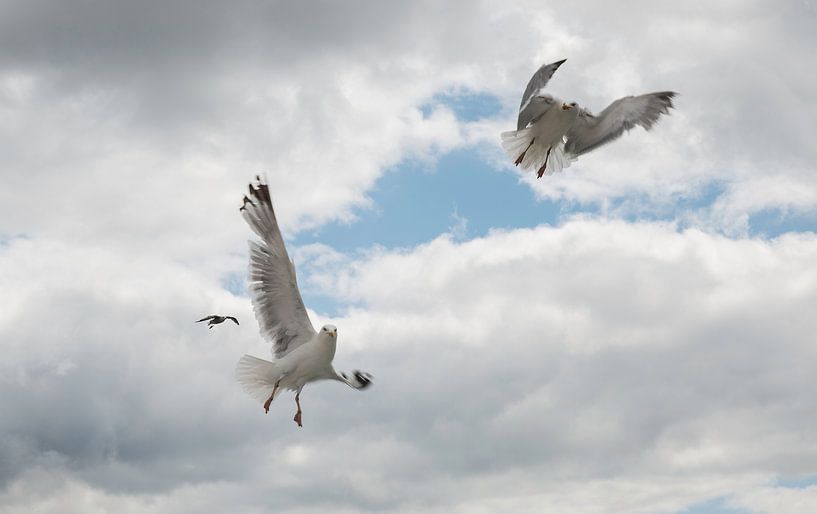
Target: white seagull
550,133
300,355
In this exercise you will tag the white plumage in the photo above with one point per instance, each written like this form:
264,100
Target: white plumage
300,354
550,134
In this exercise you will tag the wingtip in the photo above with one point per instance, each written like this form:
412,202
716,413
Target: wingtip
246,201
364,379
258,191
668,96
559,63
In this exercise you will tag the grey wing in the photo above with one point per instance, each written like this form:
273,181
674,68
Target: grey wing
589,132
276,299
205,319
535,108
535,84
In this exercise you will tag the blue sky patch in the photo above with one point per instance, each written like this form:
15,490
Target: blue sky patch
773,222
414,204
716,506
467,106
797,483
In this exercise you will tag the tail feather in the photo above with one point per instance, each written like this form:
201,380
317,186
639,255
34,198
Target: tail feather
257,377
559,159
515,142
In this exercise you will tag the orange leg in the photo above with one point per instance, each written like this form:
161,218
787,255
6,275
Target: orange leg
518,161
542,169
297,417
269,400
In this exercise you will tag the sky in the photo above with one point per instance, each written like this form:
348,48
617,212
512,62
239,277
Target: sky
633,335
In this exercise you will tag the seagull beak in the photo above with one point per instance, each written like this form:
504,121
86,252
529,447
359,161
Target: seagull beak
566,107
334,333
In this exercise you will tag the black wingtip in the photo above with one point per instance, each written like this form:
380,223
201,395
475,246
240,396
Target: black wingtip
363,379
246,201
667,96
259,191
559,63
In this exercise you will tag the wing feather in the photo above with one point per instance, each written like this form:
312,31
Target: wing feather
589,132
277,302
536,83
536,107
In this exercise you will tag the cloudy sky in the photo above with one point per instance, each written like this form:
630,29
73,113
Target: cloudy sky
634,335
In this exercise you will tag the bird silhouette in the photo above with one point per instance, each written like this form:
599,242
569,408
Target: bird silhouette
215,319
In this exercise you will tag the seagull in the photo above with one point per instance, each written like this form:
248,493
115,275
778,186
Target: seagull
215,319
300,354
551,133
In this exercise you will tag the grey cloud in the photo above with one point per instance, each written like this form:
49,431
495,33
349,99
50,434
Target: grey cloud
214,92
591,360
165,94
597,351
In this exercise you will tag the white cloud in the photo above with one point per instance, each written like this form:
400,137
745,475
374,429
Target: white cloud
631,364
777,500
175,108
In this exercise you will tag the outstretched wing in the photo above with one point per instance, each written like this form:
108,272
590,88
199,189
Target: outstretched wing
535,84
234,320
276,300
205,319
589,132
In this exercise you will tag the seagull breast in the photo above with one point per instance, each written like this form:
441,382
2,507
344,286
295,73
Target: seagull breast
554,124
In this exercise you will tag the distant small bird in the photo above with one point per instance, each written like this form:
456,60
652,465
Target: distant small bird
301,355
550,133
215,319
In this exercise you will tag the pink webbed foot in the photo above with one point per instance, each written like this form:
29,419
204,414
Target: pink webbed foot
297,418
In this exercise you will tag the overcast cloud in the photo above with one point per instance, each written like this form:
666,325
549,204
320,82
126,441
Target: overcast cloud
651,352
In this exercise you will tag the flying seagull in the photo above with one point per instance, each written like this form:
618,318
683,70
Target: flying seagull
300,354
551,133
215,319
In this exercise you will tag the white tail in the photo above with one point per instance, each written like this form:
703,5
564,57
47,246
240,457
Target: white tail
257,377
515,142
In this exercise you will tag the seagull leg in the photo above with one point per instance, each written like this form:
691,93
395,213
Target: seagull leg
297,417
269,400
542,169
518,161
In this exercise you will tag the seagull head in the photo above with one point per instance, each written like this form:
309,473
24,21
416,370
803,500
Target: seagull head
567,107
330,330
